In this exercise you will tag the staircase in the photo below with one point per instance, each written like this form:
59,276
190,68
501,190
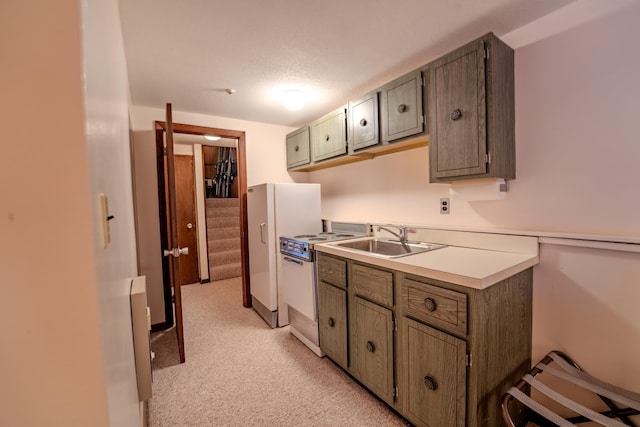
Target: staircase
223,233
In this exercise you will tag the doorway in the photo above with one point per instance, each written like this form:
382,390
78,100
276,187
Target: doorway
239,136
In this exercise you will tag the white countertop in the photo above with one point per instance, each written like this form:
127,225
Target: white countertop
476,268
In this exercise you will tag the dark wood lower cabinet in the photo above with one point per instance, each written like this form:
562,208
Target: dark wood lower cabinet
332,322
434,375
438,353
373,347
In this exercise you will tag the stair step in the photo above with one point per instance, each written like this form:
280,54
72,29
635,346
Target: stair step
223,245
223,233
224,257
225,272
215,202
222,222
223,212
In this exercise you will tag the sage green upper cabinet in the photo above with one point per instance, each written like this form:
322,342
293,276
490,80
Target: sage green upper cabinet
471,112
401,107
363,122
329,136
298,148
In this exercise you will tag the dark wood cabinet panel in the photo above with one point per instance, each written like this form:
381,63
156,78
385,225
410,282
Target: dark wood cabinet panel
401,107
332,321
434,373
332,270
363,122
329,136
372,283
471,112
298,148
373,347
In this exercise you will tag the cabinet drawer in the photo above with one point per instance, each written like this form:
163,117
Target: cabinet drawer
373,284
332,270
437,306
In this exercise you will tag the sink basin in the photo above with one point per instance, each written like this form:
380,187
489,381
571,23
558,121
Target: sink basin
390,248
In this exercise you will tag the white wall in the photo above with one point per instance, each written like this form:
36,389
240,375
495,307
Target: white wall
107,137
266,152
67,352
577,129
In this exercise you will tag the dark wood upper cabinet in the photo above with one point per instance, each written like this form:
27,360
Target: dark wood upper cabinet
363,122
471,112
329,136
401,107
298,152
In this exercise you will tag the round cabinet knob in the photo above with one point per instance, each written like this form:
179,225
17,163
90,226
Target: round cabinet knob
363,122
331,322
430,382
326,138
189,226
456,114
402,108
371,347
297,148
430,304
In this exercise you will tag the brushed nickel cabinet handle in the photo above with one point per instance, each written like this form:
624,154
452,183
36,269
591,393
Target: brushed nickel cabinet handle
332,322
371,347
363,122
456,114
403,108
297,148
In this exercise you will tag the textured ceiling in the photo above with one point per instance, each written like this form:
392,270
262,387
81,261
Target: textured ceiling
188,52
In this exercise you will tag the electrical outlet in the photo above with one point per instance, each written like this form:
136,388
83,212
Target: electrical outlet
445,206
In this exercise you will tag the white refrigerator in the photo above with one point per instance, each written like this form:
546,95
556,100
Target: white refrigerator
274,210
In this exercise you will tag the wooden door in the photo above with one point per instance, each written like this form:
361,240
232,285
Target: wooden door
173,250
186,219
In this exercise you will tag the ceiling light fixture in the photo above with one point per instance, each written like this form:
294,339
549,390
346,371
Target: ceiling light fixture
293,99
212,137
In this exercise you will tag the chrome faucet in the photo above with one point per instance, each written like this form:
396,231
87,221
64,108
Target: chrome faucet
401,234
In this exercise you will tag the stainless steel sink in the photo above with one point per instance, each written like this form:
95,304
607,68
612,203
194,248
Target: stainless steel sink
390,248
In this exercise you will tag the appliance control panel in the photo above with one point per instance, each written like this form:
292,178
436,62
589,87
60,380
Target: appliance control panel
296,248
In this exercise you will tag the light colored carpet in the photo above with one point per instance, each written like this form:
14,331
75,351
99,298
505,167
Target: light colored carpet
239,372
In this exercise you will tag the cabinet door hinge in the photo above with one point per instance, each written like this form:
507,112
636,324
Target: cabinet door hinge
486,52
467,359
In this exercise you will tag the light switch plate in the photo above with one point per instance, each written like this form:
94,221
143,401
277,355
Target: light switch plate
104,213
